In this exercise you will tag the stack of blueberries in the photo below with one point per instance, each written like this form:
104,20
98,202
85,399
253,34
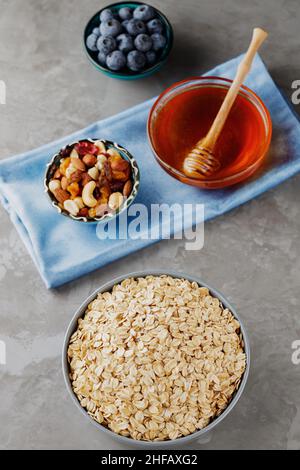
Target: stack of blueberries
133,38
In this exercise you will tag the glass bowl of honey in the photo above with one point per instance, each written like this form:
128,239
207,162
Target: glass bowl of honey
184,113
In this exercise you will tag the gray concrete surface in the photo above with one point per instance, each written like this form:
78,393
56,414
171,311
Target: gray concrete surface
251,254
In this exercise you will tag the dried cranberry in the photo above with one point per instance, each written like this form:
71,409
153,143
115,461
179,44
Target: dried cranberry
85,147
97,193
64,153
117,186
84,212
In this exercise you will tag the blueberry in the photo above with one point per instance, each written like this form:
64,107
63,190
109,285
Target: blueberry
124,24
125,42
143,42
110,28
135,27
91,42
106,44
144,12
116,60
106,15
155,26
159,41
136,61
151,57
96,31
125,13
102,58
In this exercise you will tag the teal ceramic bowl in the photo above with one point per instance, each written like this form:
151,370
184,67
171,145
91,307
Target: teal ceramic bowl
127,74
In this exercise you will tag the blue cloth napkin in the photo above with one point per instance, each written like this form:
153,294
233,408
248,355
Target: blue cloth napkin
63,249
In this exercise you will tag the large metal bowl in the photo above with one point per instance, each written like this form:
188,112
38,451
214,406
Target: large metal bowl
198,435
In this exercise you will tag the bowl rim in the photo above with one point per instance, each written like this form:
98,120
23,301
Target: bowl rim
107,217
108,286
127,75
228,179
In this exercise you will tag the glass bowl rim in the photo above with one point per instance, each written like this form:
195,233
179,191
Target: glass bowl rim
226,81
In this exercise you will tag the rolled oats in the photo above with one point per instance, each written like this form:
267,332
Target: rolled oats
156,358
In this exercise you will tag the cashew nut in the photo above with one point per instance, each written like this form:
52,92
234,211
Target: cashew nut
100,145
54,184
64,183
94,173
74,154
115,200
100,161
71,206
87,194
79,202
71,168
113,152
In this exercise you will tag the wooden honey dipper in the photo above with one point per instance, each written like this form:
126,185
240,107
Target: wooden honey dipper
201,161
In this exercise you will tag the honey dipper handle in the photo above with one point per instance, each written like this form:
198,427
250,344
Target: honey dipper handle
259,35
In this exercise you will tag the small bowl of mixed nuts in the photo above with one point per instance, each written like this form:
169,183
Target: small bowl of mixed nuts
92,180
155,358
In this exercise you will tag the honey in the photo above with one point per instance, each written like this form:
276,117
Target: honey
187,116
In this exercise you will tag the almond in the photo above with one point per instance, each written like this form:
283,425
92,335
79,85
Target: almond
78,164
64,182
57,174
127,188
61,195
76,176
120,175
90,160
